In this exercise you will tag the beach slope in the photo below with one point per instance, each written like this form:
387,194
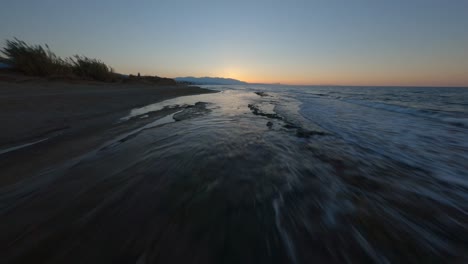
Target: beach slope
68,117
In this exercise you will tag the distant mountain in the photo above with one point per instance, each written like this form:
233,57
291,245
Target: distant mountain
209,80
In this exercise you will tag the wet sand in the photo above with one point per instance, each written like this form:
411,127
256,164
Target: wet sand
45,122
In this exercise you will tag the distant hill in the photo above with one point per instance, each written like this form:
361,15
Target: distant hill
209,80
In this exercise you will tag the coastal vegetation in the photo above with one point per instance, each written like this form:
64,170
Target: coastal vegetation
38,60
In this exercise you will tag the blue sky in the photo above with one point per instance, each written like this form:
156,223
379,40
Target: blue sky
299,42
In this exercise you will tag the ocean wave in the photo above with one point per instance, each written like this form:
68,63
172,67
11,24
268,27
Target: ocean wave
425,113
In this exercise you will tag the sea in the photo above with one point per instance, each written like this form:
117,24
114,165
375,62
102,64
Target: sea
276,174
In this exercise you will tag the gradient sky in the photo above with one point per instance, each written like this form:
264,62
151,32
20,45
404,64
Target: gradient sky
361,42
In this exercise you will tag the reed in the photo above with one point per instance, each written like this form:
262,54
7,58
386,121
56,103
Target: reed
37,60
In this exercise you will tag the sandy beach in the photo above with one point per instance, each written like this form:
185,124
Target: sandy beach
44,122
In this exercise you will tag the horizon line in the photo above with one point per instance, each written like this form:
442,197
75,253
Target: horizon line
334,85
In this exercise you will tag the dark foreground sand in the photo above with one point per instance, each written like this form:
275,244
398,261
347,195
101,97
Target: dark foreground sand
72,116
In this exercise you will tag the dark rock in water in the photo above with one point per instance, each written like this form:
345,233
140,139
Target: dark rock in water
304,133
257,111
201,104
262,94
192,111
300,132
290,126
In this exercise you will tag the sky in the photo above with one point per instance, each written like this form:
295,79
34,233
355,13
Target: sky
329,42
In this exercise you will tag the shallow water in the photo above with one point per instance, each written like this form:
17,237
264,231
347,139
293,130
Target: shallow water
290,175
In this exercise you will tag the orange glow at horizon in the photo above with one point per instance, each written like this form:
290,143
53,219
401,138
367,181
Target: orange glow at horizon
358,78
407,79
400,73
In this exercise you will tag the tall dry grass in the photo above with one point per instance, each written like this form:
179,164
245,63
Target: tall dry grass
34,59
92,68
37,60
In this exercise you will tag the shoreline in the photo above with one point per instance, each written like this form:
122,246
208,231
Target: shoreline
47,122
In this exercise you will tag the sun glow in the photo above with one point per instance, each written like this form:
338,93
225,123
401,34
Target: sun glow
232,72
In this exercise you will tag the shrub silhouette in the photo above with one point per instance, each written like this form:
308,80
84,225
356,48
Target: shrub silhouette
37,60
34,59
92,68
